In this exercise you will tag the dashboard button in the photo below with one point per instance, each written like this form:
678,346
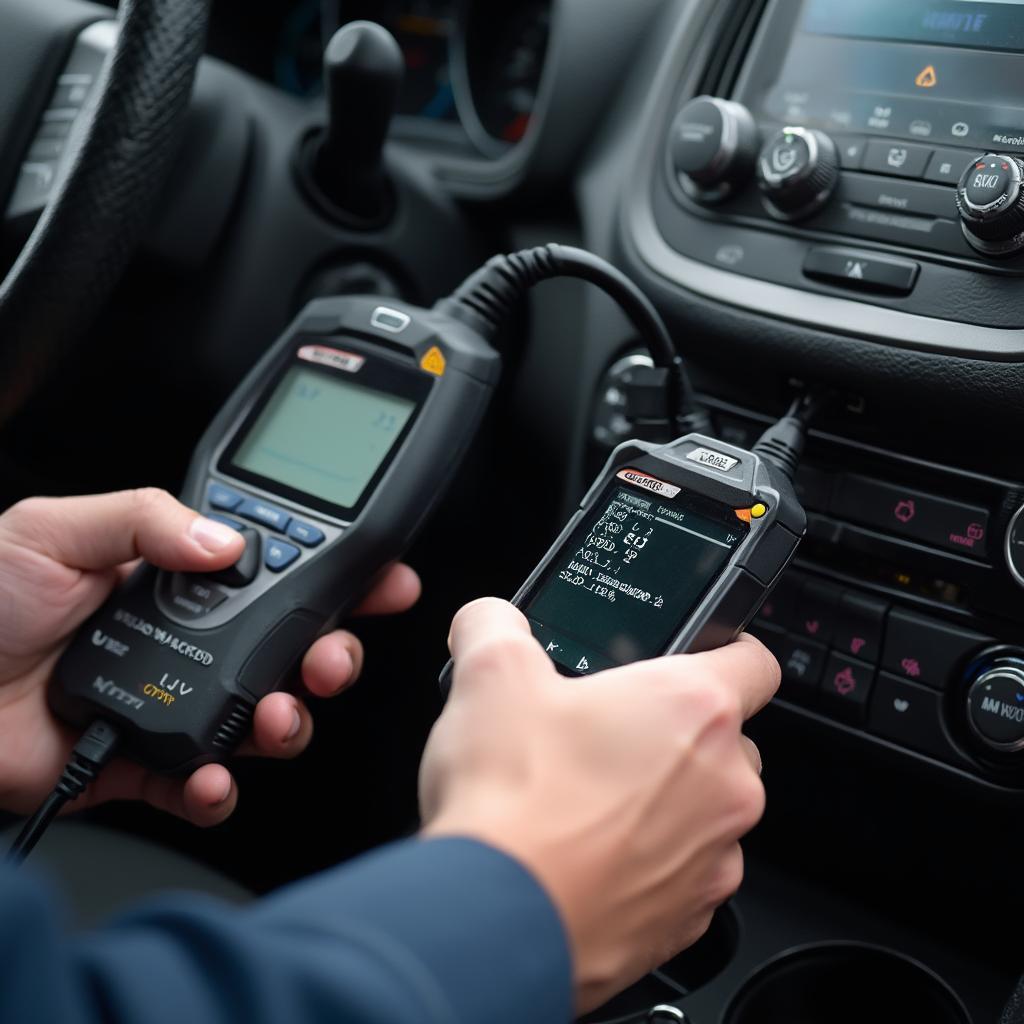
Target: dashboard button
947,166
858,631
267,515
223,498
816,611
911,197
900,159
851,152
925,650
802,662
913,514
280,555
305,533
846,687
909,715
864,271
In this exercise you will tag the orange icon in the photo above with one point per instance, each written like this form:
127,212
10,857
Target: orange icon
927,79
434,362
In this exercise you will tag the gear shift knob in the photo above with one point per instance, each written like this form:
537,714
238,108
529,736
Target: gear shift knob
363,69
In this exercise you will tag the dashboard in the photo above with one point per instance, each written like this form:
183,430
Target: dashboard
817,196
473,69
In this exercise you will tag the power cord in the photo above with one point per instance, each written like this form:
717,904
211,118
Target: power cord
782,444
90,755
488,297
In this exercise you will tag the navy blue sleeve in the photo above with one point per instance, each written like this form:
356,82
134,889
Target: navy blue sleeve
445,931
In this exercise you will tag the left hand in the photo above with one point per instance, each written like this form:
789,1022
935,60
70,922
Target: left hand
59,560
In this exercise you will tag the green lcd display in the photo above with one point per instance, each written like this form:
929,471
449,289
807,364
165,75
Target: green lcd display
323,436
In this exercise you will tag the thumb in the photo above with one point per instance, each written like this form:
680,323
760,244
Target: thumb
104,530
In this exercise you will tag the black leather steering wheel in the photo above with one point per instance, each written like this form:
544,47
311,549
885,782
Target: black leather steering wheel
85,236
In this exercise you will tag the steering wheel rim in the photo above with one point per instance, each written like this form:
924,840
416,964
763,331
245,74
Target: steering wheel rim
85,237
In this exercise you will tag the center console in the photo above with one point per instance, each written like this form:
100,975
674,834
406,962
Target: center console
859,169
868,151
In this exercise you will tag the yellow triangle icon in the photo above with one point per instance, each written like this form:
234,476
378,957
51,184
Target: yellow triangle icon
434,362
927,79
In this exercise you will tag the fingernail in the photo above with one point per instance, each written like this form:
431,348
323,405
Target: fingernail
212,536
296,725
225,794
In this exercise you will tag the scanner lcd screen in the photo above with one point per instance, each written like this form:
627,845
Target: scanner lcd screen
629,577
323,436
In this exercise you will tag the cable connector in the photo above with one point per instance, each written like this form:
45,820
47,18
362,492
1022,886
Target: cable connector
88,758
782,444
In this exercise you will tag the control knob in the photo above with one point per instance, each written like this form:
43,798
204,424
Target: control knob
990,198
995,701
713,147
798,171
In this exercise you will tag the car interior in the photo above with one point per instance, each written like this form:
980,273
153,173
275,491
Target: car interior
816,196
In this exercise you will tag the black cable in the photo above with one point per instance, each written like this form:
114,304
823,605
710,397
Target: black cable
88,757
782,444
489,296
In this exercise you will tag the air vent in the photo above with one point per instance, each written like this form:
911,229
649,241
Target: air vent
235,726
735,34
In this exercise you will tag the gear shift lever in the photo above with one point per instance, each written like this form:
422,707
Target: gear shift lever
363,69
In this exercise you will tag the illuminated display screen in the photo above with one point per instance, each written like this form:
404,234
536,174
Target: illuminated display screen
979,24
323,436
630,576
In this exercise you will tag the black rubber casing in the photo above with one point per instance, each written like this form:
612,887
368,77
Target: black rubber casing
135,652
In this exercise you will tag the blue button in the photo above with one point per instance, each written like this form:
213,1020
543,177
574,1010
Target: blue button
307,535
280,555
223,498
258,512
226,520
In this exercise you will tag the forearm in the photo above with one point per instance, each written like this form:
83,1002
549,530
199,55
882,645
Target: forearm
438,932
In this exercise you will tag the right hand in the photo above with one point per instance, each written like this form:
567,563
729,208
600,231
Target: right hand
625,793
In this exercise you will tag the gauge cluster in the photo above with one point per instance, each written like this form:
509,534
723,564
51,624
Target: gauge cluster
473,67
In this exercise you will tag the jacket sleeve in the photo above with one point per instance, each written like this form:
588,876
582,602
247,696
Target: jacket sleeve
445,931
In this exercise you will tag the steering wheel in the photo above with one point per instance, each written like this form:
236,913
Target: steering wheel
100,208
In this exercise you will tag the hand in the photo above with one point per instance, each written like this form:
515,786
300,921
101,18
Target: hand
59,559
625,793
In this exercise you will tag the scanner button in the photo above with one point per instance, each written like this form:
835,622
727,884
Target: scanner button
195,597
280,555
227,521
307,535
223,498
259,512
245,570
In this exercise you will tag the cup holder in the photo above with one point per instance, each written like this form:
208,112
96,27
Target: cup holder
845,983
690,970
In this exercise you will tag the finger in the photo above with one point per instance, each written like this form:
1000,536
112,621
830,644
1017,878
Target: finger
490,636
209,796
752,754
103,530
332,664
281,728
397,589
747,668
206,798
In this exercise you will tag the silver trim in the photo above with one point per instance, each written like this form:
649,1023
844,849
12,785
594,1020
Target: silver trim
1010,672
665,1011
834,315
1010,564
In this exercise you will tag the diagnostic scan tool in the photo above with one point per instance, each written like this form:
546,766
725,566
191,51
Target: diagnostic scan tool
673,550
